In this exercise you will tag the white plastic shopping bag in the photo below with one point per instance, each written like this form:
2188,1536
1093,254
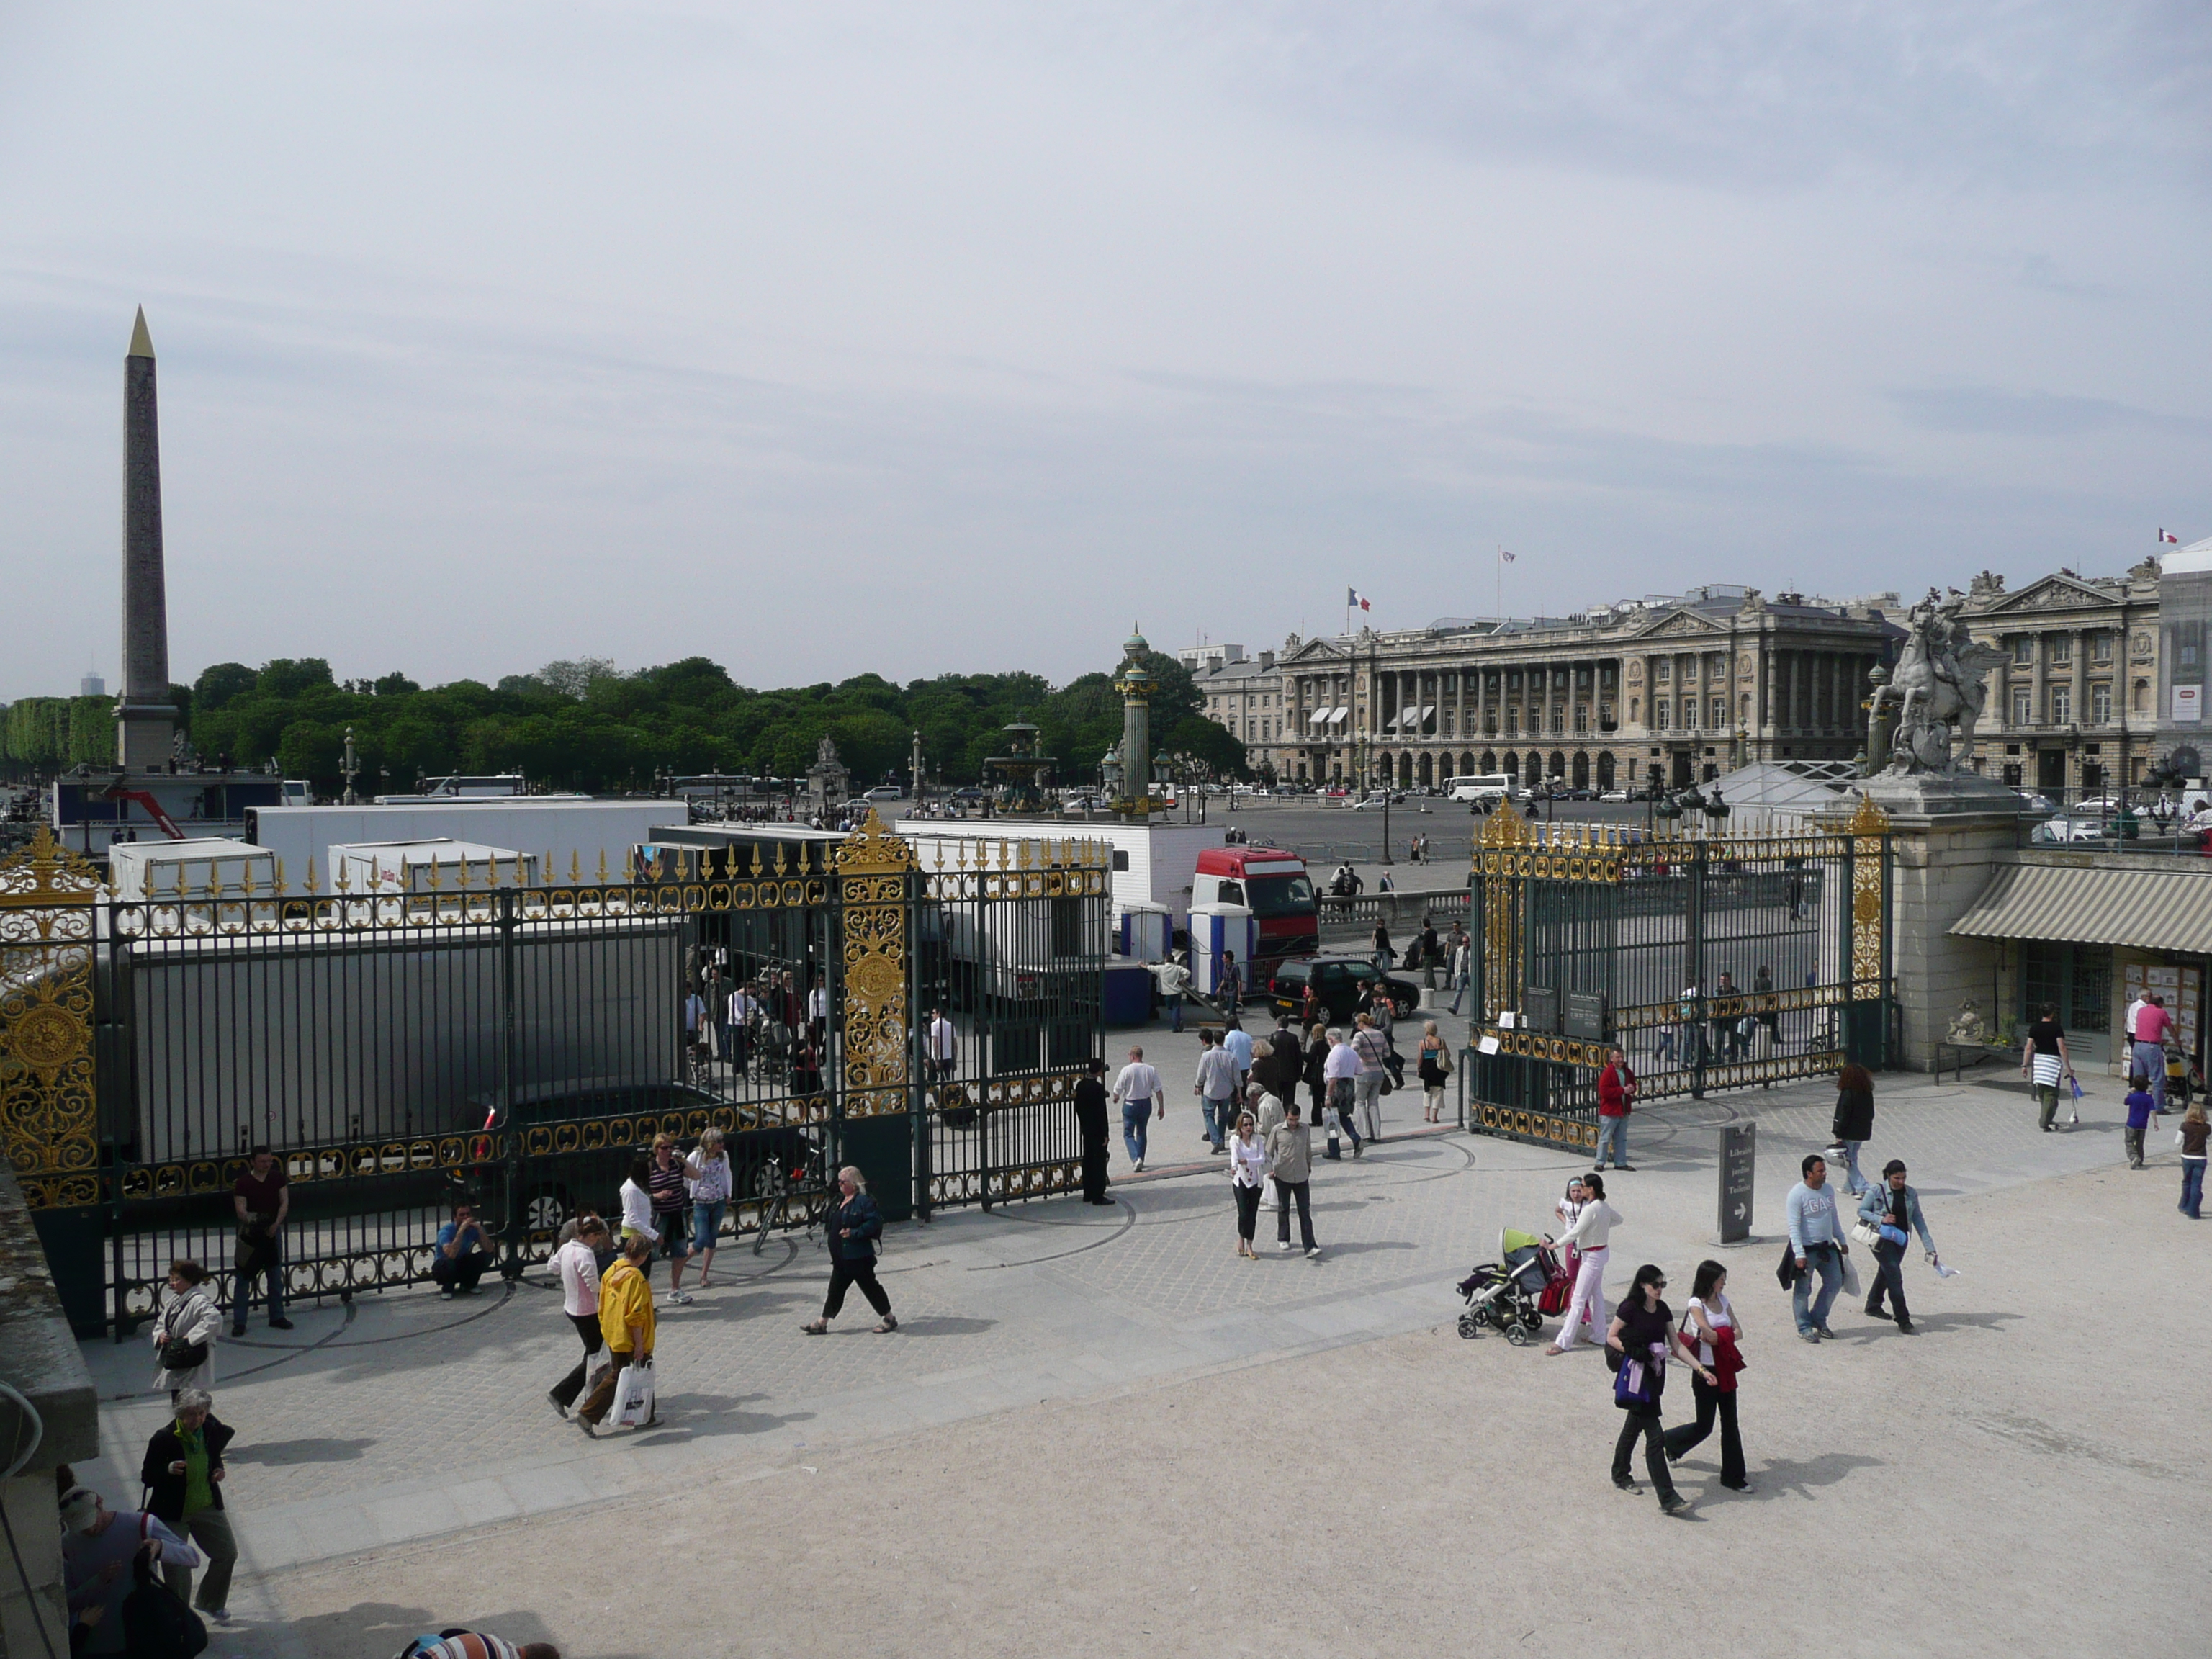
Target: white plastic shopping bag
634,1395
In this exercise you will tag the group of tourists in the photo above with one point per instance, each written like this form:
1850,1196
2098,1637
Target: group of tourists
606,1275
2161,1077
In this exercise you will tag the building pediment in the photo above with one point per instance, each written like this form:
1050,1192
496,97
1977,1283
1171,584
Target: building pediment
2059,592
1678,624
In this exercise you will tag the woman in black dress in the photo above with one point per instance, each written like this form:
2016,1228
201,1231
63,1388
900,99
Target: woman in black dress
1642,1336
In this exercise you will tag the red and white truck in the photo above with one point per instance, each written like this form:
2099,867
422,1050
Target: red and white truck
1271,881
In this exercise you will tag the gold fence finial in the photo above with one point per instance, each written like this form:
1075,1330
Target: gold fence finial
276,864
1869,820
603,866
311,878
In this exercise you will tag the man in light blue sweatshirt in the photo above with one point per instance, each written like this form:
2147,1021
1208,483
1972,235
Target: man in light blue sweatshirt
1817,1241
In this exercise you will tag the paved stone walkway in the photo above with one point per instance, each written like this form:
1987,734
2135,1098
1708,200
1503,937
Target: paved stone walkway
404,1417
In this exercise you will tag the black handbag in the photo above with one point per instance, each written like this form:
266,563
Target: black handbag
178,1355
1787,1273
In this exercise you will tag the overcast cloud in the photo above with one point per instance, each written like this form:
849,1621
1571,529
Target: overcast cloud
820,337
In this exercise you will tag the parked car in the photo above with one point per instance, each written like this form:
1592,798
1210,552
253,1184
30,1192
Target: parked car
1582,795
885,791
1615,795
1339,980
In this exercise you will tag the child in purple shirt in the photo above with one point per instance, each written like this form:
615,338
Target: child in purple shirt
2142,1113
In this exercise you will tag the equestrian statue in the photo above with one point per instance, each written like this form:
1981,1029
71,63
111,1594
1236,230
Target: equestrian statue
1940,684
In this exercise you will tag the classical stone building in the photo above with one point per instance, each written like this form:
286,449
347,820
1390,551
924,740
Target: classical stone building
1245,694
1676,688
2075,703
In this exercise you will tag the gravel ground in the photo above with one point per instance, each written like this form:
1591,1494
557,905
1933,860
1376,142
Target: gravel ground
2021,1478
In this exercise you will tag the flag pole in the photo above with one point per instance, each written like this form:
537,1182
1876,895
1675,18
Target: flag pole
1498,602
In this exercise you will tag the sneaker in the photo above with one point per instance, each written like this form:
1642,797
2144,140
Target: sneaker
1358,1147
237,1331
681,1298
1740,1486
1825,1332
1314,1254
280,1324
1809,1336
1903,1330
1674,1504
591,1430
1626,1483
554,1401
445,1293
1627,1168
1283,1244
216,1615
1140,1166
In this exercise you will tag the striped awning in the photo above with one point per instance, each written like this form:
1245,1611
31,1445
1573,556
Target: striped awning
2150,910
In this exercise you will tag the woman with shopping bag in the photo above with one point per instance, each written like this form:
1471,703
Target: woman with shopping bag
625,1386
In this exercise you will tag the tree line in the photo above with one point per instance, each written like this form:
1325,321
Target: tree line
583,724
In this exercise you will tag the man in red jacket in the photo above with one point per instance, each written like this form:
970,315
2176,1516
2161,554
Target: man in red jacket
1616,1098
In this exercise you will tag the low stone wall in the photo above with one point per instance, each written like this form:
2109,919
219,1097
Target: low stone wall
38,1358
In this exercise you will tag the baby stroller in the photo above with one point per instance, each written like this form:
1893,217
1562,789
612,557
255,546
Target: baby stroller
1514,1293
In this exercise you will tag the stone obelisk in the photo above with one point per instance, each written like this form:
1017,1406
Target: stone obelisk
145,720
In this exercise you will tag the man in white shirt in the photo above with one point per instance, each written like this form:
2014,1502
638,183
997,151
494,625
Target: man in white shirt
943,1046
743,1007
1215,1086
1340,1071
1138,1088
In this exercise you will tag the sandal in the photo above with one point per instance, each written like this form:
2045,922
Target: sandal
819,1327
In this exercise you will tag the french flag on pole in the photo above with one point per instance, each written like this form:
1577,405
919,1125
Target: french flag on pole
1353,597
2166,535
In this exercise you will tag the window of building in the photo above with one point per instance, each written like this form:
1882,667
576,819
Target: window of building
2062,704
1662,671
2021,715
2100,647
2023,649
2101,704
1719,712
2061,648
1660,711
1558,722
1689,714
1581,717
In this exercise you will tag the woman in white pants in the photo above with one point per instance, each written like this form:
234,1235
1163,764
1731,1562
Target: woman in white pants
1591,1234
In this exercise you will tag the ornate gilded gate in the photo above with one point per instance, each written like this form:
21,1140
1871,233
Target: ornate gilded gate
1711,960
49,1104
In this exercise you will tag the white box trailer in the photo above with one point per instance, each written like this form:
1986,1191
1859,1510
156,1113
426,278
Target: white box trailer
566,837
426,866
1153,863
203,867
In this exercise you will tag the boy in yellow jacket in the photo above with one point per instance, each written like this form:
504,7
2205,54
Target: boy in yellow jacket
626,1321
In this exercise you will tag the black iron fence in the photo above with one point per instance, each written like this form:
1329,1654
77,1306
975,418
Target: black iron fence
1709,962
478,1034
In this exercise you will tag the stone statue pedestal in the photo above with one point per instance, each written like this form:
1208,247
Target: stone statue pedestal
1950,834
1942,795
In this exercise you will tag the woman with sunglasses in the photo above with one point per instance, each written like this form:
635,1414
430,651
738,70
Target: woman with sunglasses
1642,1334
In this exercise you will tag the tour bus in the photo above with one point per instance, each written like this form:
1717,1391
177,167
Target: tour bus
1275,885
1485,788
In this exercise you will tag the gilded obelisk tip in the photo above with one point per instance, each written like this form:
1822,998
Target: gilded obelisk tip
141,343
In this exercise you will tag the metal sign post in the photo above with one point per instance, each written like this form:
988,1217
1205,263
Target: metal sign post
1739,1161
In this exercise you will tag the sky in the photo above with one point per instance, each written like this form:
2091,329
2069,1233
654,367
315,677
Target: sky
822,338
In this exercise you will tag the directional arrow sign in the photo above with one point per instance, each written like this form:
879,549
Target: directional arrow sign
1739,1161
